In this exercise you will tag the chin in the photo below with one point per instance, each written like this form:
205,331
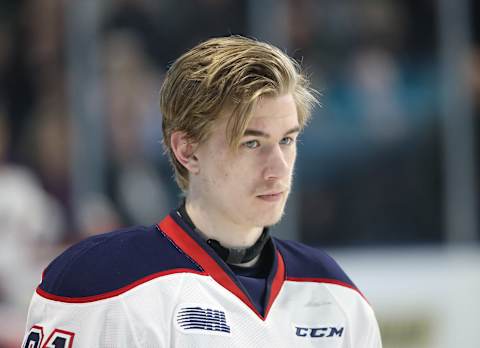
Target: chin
269,218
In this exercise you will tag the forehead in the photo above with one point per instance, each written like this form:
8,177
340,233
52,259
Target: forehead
275,113
272,116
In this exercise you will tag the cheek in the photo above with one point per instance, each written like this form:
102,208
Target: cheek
236,174
221,172
290,157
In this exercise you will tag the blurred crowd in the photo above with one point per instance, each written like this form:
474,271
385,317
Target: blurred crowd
38,215
369,169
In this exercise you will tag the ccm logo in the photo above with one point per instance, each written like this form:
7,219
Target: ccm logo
319,331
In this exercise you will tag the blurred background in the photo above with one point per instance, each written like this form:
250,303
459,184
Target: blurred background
387,174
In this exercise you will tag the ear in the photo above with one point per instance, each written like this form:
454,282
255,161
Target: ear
184,151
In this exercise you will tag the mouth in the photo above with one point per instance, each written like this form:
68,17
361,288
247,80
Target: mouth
271,197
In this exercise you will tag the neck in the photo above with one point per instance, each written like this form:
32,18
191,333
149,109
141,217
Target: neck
213,225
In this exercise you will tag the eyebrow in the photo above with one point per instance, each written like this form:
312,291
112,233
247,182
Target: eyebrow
259,133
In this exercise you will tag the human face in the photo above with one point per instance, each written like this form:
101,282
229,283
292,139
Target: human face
249,187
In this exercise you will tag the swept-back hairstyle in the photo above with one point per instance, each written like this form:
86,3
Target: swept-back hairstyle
227,73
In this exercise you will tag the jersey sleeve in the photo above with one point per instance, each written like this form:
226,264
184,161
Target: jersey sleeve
375,339
97,324
84,299
307,264
372,332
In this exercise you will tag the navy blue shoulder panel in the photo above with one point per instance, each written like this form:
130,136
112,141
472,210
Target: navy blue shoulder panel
110,261
302,261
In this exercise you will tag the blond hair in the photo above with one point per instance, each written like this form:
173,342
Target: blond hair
231,72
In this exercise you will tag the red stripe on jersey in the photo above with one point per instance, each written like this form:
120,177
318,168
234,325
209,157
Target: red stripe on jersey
277,282
185,242
114,292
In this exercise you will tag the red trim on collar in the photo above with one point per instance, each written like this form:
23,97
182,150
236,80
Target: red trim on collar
277,282
186,243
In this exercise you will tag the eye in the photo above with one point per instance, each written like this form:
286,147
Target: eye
252,144
287,141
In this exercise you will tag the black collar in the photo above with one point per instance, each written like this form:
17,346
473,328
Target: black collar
233,256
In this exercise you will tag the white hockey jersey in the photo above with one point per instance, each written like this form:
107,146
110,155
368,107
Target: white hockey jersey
163,286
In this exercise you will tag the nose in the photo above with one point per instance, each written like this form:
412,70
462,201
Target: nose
277,163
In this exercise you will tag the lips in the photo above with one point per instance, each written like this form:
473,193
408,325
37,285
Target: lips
271,197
